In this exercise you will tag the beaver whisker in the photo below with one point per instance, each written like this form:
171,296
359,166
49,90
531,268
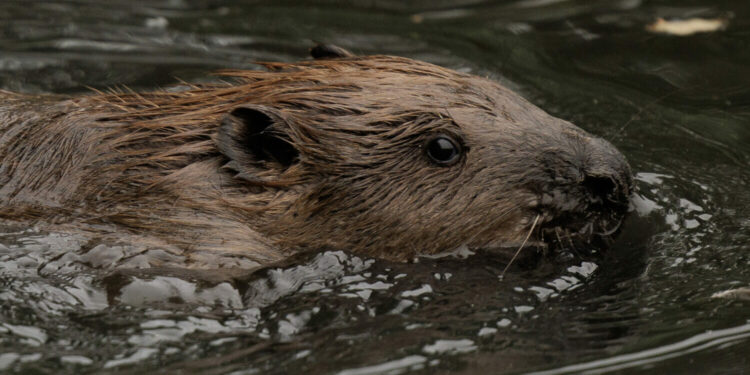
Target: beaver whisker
570,240
586,229
557,234
520,247
609,232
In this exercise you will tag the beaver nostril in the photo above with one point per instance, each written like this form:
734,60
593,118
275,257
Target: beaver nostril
606,174
602,187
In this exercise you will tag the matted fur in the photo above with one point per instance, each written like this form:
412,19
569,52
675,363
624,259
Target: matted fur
148,163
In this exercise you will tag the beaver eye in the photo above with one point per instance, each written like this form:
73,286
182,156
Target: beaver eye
443,150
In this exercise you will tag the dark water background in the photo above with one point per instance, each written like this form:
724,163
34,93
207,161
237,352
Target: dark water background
677,107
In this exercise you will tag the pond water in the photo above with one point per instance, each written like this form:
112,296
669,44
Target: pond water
677,106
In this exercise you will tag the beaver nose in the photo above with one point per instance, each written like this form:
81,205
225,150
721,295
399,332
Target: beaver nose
606,173
603,189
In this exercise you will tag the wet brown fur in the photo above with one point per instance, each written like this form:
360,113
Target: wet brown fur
148,163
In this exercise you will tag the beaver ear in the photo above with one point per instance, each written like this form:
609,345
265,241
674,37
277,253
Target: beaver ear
252,134
328,51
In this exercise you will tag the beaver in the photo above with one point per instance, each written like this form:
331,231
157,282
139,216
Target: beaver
382,156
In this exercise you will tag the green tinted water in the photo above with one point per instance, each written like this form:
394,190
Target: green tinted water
677,107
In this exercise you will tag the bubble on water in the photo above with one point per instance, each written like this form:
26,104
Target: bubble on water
486,331
542,293
502,323
139,356
402,306
7,360
76,360
364,294
424,289
293,324
522,309
157,22
378,285
450,347
327,266
160,289
410,363
652,178
31,335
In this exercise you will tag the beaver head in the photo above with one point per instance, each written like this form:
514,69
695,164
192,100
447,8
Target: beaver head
384,156
392,157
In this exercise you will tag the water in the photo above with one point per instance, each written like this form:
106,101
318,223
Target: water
677,107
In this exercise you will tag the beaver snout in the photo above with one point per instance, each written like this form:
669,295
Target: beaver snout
606,174
590,193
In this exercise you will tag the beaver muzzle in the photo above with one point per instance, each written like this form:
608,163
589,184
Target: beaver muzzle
589,197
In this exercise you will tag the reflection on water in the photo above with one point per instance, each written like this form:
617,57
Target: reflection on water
709,340
145,317
676,106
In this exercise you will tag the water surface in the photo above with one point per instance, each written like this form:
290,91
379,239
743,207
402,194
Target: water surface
677,107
